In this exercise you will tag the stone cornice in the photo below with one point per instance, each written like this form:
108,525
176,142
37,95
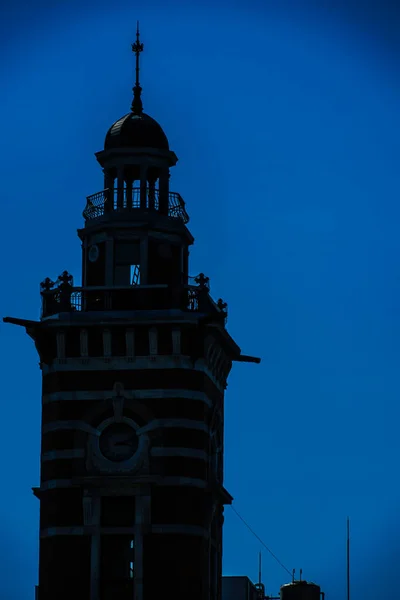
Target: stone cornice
158,529
86,395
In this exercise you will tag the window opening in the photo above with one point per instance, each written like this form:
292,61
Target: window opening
131,571
125,198
135,275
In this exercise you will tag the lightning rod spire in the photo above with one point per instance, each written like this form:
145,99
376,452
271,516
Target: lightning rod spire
137,48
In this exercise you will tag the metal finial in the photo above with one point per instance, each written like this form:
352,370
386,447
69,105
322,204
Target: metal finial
137,48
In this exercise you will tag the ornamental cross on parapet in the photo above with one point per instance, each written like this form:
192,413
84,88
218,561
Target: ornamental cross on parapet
203,281
222,305
65,279
47,284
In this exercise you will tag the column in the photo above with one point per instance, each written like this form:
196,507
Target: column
95,548
120,190
143,187
60,344
182,279
129,185
185,265
108,191
220,522
84,259
152,194
164,191
142,521
143,261
109,266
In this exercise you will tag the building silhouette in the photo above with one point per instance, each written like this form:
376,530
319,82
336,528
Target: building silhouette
134,367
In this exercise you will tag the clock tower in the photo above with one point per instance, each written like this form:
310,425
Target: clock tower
134,367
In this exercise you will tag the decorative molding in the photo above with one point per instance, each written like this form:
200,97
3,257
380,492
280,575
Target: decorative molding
181,529
117,530
136,481
178,423
81,425
141,363
87,530
53,531
63,454
96,238
86,395
53,484
183,481
186,452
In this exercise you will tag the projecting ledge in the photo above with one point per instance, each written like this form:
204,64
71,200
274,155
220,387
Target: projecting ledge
245,358
20,322
225,496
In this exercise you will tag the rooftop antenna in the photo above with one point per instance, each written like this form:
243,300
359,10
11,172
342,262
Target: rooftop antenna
137,48
348,558
301,573
260,586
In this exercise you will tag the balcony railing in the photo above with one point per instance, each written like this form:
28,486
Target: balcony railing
130,298
62,296
128,199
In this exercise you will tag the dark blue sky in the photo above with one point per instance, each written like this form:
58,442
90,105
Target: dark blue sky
285,121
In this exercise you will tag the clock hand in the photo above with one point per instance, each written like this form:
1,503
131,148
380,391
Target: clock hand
128,442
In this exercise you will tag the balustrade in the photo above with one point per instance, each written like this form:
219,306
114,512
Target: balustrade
61,296
120,298
128,199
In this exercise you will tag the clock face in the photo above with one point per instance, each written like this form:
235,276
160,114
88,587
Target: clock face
93,253
118,442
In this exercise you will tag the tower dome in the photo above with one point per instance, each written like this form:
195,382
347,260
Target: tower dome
136,130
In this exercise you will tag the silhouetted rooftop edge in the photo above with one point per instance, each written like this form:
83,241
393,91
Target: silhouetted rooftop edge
134,131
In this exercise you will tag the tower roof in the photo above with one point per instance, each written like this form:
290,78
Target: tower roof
133,131
136,129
